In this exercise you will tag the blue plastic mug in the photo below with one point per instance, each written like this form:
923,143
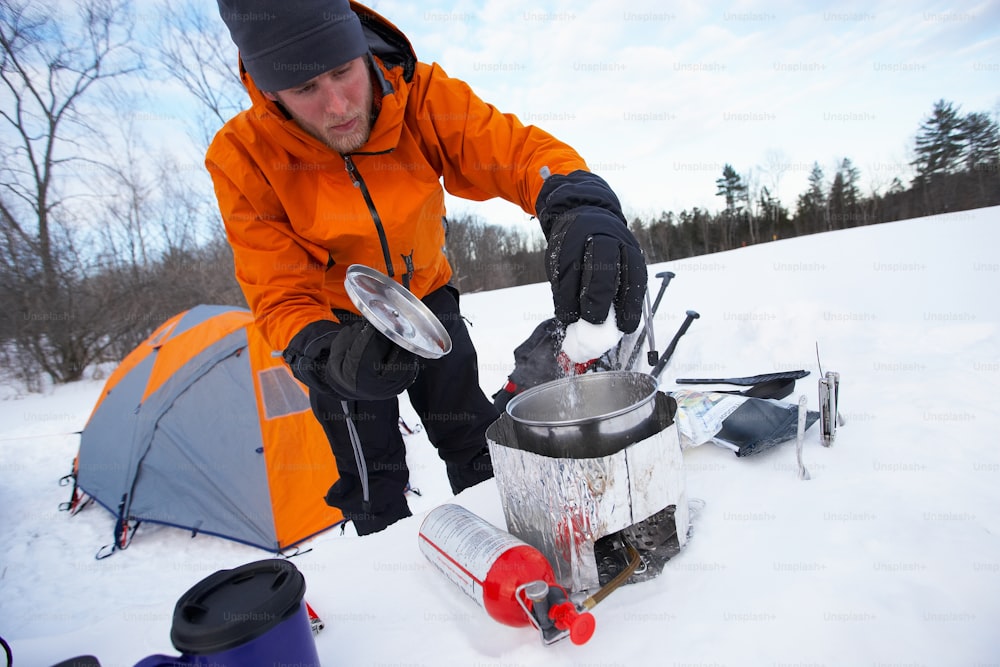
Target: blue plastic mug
251,615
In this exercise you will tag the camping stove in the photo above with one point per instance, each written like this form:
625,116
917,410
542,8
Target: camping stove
589,466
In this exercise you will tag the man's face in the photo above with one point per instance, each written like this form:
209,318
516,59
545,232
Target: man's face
335,107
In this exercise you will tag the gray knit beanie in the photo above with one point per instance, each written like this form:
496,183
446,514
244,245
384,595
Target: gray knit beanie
284,43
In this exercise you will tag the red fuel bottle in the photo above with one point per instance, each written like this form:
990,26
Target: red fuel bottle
507,577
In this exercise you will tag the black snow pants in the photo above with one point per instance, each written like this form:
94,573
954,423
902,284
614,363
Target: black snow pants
455,413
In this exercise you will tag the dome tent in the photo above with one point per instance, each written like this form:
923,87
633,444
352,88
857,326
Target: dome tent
203,427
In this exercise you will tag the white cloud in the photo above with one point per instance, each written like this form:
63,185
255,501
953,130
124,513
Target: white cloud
662,94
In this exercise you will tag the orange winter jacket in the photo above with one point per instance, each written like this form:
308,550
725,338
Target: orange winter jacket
298,214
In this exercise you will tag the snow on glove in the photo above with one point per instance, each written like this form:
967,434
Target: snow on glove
363,364
593,261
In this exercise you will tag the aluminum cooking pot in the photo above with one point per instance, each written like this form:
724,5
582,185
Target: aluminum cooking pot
586,416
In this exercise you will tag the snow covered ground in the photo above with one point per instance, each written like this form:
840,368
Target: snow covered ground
889,555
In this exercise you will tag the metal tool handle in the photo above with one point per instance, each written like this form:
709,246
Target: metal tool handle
665,278
669,352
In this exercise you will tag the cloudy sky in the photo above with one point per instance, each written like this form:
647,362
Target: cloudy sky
658,97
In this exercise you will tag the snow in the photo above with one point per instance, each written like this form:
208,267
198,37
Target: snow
585,341
890,554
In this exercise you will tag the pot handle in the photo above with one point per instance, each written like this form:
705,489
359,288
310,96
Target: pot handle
666,409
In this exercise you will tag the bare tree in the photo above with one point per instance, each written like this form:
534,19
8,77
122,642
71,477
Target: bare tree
48,76
124,206
195,50
485,256
776,163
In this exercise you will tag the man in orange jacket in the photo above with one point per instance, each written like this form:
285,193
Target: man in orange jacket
340,160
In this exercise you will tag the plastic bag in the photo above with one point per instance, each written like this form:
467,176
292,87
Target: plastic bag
743,424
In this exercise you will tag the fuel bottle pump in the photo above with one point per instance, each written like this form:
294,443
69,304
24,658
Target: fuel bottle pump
511,580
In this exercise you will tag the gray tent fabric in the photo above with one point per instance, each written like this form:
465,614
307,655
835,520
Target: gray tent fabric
102,469
171,475
220,488
190,452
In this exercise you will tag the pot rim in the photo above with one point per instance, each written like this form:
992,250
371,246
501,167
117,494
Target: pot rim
576,379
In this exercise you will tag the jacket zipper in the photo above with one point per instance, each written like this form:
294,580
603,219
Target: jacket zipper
408,276
360,183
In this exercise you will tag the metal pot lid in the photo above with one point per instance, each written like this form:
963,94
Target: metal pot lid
396,312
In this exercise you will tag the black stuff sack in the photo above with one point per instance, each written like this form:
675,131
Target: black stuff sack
743,424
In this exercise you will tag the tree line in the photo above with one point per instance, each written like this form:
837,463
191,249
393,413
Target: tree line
103,237
956,167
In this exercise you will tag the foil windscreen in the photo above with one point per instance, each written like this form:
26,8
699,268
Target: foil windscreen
576,510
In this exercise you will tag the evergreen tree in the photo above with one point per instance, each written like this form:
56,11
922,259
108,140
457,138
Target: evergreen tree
982,142
835,203
852,193
732,187
981,159
810,213
844,196
939,144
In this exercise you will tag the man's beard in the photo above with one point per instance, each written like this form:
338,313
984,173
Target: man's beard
356,139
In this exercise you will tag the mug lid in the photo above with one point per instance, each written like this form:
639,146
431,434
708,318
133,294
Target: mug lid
232,607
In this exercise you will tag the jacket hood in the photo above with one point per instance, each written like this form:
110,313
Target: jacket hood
385,41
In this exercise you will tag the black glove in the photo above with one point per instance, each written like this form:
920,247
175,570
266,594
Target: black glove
350,359
366,365
593,261
308,352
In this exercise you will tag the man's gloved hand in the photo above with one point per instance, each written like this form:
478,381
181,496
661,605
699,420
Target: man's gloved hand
352,360
308,352
593,261
366,365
